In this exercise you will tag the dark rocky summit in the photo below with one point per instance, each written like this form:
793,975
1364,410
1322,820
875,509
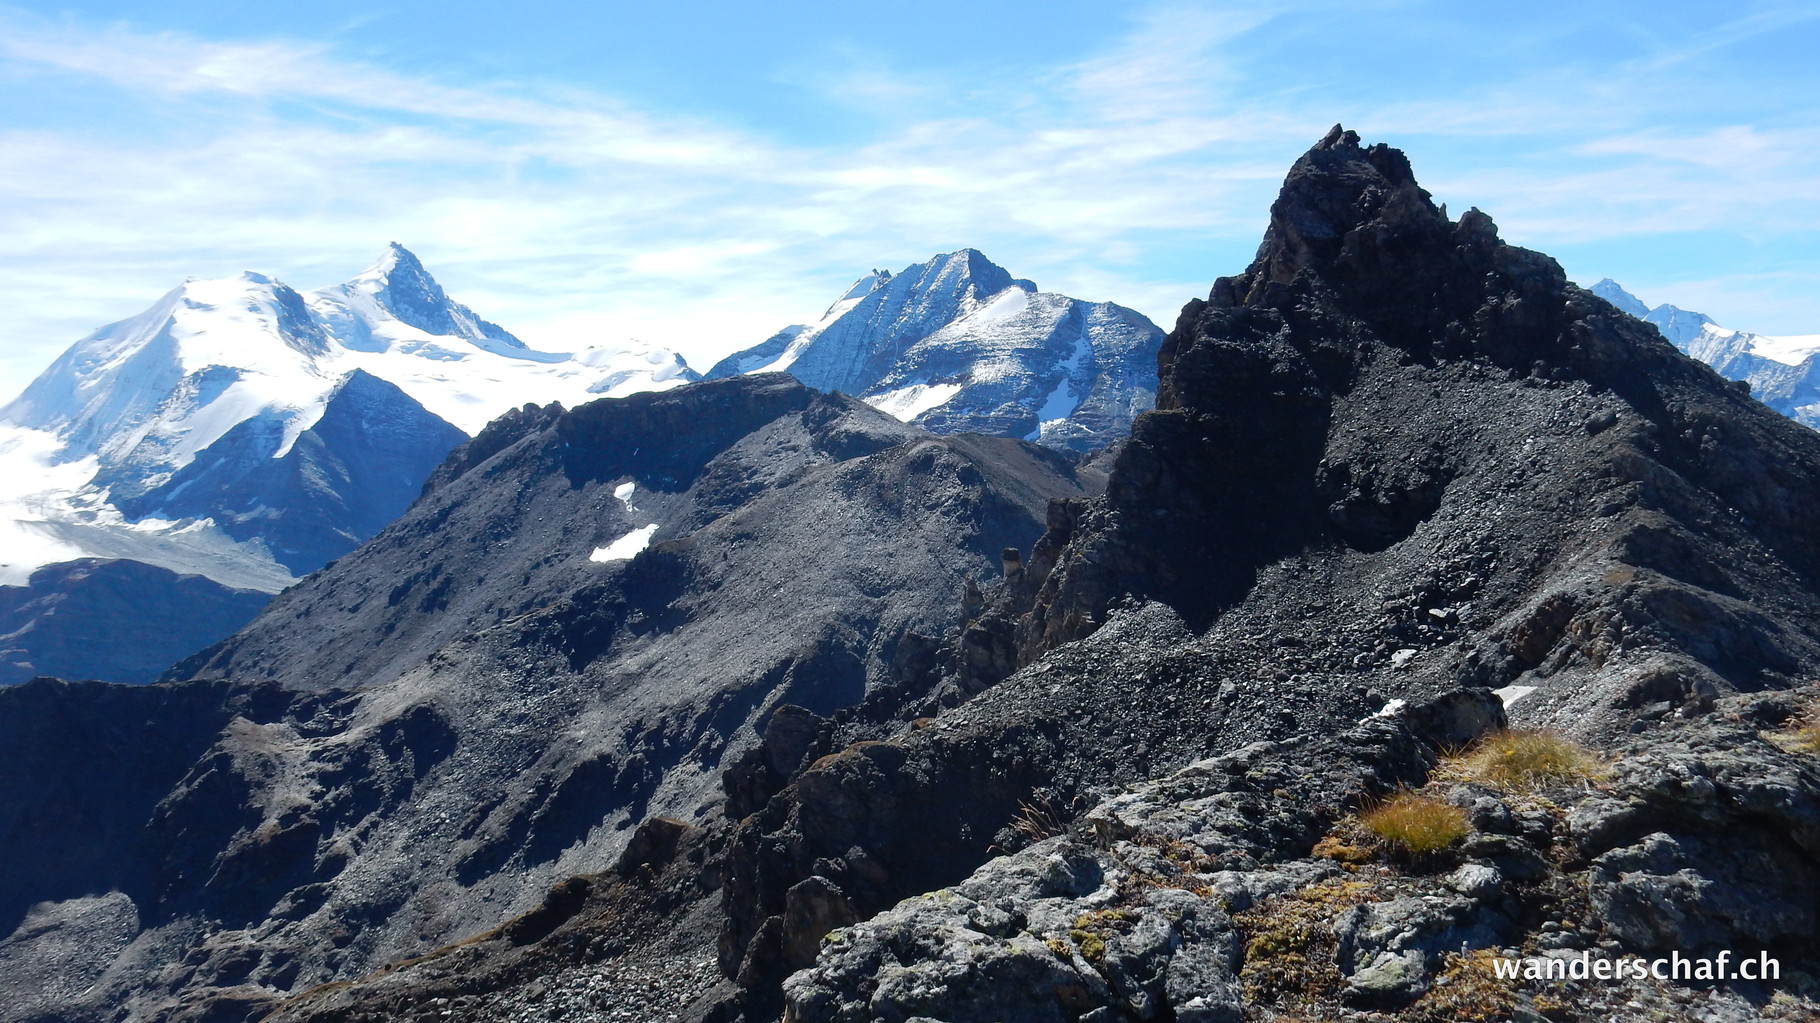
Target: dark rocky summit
1404,485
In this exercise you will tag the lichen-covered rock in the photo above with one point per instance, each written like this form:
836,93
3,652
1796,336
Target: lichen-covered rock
1131,914
1740,889
1051,933
1196,896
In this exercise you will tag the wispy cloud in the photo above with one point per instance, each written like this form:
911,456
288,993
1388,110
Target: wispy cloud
1135,173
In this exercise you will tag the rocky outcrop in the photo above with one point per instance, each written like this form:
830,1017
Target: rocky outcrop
1332,405
1197,897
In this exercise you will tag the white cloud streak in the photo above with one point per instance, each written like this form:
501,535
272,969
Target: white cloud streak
572,218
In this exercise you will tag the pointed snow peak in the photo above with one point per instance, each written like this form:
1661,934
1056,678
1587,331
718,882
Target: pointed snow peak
400,284
975,265
1611,291
399,276
396,259
962,275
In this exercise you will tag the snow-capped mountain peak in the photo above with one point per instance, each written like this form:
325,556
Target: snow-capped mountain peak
249,363
1783,371
396,301
956,343
1613,292
155,388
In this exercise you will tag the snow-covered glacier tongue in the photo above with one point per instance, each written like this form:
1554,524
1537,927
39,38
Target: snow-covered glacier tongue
1783,372
956,344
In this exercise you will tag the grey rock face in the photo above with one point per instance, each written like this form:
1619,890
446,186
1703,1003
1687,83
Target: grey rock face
1139,920
1131,912
342,480
114,620
956,345
1393,980
522,706
998,947
1667,893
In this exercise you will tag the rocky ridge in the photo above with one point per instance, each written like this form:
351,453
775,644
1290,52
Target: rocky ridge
487,698
1396,466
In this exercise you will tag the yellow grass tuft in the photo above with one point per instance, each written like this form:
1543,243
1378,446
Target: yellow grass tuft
1415,824
1524,760
1803,732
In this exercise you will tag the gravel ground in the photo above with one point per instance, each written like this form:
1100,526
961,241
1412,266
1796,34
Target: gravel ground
631,989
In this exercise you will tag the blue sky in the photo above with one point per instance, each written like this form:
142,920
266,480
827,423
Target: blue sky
700,174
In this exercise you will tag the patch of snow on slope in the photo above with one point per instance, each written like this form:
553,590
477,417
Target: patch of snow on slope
1003,306
1061,402
1511,694
906,403
626,547
625,491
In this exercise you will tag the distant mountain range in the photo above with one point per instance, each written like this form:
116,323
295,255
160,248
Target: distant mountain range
239,434
1784,372
956,344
